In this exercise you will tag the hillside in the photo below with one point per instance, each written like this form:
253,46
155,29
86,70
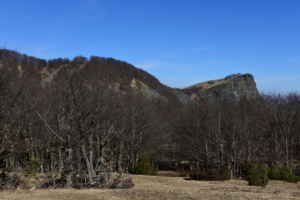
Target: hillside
84,122
123,78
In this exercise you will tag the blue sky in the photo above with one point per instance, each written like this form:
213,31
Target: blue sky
180,42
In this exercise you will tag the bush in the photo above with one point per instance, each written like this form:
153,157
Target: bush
211,174
145,166
9,181
286,174
32,166
14,180
282,173
245,168
122,182
293,179
258,175
275,172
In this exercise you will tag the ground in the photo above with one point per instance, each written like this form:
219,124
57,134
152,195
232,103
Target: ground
167,188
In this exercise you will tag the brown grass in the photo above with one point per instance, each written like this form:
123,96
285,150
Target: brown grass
167,188
207,84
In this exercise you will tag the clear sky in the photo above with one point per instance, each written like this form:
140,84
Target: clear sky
181,42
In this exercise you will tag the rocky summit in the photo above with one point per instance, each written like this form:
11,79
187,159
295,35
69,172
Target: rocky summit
230,88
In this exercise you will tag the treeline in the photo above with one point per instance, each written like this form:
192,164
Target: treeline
233,135
74,128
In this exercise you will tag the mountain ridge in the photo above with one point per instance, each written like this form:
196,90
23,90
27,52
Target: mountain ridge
122,77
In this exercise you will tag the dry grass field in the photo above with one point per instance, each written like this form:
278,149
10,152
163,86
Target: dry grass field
167,188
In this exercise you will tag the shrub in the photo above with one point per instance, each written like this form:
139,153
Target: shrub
245,168
258,175
285,173
122,182
275,172
32,166
9,181
210,174
282,173
145,166
293,179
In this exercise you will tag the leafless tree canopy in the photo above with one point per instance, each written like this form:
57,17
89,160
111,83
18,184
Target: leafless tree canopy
78,126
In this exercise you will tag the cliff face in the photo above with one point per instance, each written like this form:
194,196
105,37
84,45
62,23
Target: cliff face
122,77
230,88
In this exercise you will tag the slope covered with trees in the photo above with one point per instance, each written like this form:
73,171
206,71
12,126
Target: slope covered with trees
81,119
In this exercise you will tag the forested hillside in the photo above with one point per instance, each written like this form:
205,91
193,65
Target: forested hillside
81,119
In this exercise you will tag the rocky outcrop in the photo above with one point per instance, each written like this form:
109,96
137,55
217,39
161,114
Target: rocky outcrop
144,89
230,88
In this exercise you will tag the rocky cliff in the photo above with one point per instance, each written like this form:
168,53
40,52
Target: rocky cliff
230,88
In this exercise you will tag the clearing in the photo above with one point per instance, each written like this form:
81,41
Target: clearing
167,188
